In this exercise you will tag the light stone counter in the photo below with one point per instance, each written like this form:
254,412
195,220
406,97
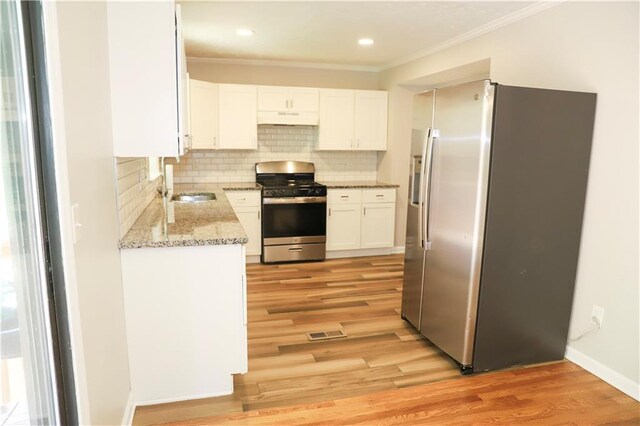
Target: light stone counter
358,185
172,224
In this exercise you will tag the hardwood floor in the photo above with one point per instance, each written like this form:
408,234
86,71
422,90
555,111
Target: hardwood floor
361,297
560,393
381,353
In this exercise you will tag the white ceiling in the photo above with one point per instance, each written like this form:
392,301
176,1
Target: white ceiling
326,32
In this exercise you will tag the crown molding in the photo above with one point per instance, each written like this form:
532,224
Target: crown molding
477,32
289,64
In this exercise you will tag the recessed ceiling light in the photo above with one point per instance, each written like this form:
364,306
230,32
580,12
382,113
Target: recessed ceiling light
365,42
245,32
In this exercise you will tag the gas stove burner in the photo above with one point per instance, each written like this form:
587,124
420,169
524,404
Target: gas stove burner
288,179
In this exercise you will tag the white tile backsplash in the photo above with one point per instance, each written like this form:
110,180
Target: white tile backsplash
276,143
135,191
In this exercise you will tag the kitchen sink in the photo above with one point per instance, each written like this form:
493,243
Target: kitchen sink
198,197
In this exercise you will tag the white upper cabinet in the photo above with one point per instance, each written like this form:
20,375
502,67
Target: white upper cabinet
371,120
237,117
145,68
304,99
183,86
353,120
336,125
272,98
287,105
203,97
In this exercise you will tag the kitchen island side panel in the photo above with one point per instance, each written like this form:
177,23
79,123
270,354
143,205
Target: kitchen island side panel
538,181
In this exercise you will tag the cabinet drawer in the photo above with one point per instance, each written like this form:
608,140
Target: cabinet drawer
387,195
336,196
243,198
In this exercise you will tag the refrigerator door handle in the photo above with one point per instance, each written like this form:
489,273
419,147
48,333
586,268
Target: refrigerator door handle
433,134
425,146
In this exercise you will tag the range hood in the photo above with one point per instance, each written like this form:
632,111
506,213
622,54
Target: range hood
291,118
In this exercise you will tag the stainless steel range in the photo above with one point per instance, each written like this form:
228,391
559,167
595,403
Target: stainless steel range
294,212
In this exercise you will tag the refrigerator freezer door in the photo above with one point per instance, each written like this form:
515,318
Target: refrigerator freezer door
455,216
414,252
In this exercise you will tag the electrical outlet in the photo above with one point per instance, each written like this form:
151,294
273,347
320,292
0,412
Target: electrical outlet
597,312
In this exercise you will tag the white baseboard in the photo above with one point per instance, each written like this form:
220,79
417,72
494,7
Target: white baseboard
397,249
359,253
129,411
186,398
610,376
253,258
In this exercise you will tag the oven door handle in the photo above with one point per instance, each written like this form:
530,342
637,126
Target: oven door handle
294,200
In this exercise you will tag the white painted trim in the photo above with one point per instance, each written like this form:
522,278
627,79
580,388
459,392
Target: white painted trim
477,32
186,398
253,258
610,376
290,64
339,254
54,69
129,411
397,249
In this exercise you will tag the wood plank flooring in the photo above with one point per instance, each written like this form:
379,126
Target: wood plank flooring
381,353
361,297
560,393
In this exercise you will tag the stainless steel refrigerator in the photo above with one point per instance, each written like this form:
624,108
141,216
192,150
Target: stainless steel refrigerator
497,185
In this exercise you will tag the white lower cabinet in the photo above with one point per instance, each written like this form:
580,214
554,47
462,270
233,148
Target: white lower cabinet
247,206
360,219
186,320
377,225
249,217
343,227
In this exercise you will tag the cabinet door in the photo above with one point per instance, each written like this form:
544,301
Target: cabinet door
143,79
203,97
343,227
250,220
378,225
371,120
183,86
238,122
335,131
304,99
272,98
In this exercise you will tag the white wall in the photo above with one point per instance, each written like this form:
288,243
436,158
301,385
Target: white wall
82,34
582,46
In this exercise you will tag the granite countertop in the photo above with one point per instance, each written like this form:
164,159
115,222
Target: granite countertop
171,224
358,185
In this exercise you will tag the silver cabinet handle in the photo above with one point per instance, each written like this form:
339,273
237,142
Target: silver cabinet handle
344,196
365,211
329,211
379,195
291,103
295,249
258,214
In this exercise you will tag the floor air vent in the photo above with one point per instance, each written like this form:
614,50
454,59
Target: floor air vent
325,335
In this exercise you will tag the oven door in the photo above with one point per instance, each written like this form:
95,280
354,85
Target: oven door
294,220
